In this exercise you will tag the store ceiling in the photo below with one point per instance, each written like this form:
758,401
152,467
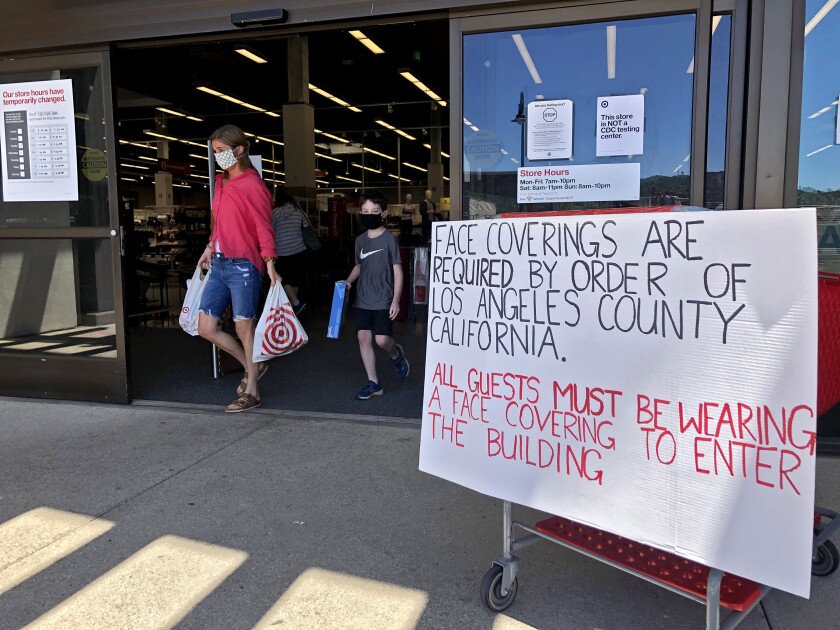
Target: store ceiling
168,76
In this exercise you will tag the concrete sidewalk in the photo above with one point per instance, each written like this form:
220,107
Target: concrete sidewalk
134,517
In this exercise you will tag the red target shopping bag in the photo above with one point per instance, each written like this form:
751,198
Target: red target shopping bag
278,332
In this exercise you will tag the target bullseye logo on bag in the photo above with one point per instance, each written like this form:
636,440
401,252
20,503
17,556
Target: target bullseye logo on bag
281,335
278,332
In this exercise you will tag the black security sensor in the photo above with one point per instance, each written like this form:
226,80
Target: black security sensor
259,18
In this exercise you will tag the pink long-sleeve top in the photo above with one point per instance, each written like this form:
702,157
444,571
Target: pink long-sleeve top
242,219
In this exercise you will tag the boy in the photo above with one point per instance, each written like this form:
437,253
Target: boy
379,272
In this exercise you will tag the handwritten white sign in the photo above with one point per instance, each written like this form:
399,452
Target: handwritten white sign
653,375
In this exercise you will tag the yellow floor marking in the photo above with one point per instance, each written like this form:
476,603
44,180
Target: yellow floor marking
154,588
503,622
31,542
325,600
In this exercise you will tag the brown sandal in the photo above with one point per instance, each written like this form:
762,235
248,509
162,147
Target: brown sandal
243,403
243,384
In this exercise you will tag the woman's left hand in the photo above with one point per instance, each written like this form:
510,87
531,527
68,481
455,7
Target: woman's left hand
272,273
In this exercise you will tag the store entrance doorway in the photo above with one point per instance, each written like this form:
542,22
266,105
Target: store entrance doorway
378,98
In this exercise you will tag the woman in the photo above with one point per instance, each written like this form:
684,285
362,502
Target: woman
241,248
288,220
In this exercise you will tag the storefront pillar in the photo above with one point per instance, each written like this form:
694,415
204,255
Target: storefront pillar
435,163
299,123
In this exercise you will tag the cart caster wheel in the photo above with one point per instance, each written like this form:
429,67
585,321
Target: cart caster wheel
491,590
826,559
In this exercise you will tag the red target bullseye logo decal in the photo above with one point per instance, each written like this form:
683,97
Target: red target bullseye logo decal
281,333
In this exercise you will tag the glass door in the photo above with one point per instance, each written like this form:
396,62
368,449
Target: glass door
61,308
593,106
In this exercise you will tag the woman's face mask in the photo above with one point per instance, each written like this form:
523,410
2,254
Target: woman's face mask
371,221
225,159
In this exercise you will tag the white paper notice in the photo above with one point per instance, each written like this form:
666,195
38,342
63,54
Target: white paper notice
651,374
621,125
583,182
38,141
550,130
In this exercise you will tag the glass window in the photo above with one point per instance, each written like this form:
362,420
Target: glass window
718,102
819,157
91,210
504,72
57,298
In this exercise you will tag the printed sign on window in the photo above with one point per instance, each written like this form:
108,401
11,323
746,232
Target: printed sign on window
550,130
620,123
39,141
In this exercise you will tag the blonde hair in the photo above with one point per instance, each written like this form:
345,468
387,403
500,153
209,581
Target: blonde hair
233,136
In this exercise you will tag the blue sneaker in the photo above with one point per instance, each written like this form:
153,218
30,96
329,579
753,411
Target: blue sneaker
401,363
369,390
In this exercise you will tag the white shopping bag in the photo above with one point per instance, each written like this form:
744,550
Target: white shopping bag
192,300
278,332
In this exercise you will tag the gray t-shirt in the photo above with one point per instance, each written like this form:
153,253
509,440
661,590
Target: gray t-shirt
288,237
377,256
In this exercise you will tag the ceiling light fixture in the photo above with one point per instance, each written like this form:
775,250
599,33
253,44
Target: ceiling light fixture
367,168
327,157
329,135
812,24
349,179
170,111
385,155
367,42
526,57
429,146
264,139
147,158
159,135
195,118
232,99
395,130
248,54
828,146
144,168
402,179
419,168
195,144
422,86
611,40
138,144
334,99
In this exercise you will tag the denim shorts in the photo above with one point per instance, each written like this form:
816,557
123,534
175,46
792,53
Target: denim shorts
232,281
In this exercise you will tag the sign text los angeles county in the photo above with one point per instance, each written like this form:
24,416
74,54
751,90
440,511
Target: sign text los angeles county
585,363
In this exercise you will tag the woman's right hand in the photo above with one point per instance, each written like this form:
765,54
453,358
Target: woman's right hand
204,261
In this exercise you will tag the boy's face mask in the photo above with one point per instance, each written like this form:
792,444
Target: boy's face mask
225,159
371,221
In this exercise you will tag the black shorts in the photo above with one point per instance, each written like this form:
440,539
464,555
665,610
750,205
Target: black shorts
291,268
377,321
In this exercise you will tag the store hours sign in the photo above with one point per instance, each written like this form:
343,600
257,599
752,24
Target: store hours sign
651,374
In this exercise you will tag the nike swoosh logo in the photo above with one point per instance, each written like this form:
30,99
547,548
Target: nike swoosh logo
364,255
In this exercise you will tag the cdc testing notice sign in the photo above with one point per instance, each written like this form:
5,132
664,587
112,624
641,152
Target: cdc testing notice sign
38,141
621,125
583,182
653,375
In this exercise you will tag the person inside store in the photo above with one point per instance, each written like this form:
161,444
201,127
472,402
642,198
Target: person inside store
427,214
380,281
240,251
406,222
288,221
